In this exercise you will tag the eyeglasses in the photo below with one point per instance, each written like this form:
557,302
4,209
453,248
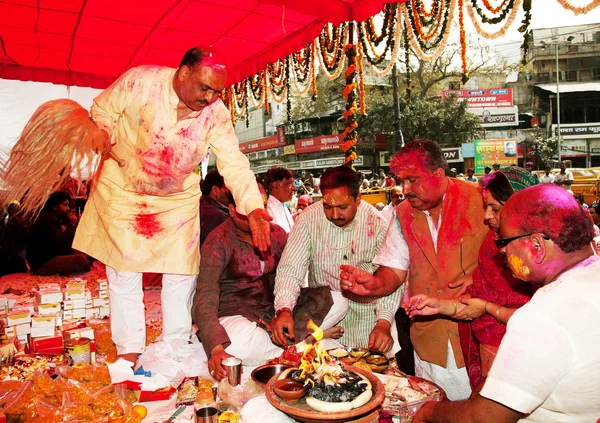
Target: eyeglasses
503,242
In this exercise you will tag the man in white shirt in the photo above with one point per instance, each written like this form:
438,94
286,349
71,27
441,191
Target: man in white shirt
280,184
564,178
547,368
548,178
396,197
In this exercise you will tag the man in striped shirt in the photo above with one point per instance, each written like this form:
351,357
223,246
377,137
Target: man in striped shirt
340,229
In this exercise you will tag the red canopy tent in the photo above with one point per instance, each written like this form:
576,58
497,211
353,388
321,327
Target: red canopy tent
91,42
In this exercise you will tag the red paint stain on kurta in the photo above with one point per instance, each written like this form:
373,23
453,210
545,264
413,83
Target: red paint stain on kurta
146,224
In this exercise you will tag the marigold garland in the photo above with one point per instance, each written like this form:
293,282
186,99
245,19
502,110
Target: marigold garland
420,47
361,82
511,10
425,30
463,42
330,43
349,93
578,10
313,72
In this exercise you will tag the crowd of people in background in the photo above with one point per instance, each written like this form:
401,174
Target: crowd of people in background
356,268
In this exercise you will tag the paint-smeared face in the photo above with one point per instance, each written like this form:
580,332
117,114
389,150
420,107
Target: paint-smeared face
200,86
518,252
339,206
421,187
492,211
303,203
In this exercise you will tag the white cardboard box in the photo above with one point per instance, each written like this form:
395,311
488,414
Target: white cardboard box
92,313
43,326
48,297
76,285
75,294
104,311
18,317
23,329
76,313
85,332
73,304
97,302
47,309
103,293
47,286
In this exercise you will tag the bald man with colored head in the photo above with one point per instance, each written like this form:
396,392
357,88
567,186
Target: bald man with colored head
143,213
547,368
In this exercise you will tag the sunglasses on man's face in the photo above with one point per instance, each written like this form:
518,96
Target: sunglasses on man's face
503,242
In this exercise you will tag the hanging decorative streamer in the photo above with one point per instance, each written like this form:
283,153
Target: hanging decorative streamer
422,28
349,136
277,72
302,68
313,71
331,43
579,9
370,40
287,90
361,82
407,61
524,29
428,36
505,12
463,42
257,89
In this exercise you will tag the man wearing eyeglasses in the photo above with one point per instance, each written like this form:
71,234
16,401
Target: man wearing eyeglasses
547,368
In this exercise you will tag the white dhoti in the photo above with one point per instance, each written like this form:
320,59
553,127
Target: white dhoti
451,379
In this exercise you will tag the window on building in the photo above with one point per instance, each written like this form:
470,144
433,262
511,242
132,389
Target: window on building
596,74
571,75
583,37
592,114
543,77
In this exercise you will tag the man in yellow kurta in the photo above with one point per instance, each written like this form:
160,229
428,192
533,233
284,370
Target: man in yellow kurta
144,216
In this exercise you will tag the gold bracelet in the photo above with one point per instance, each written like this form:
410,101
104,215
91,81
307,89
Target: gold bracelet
485,306
455,307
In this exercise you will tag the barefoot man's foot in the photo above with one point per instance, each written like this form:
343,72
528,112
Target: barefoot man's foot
133,357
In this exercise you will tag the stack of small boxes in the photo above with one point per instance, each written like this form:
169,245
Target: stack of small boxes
97,307
34,321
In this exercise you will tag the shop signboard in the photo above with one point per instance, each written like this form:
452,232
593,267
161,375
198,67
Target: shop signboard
497,116
322,143
591,130
501,151
477,99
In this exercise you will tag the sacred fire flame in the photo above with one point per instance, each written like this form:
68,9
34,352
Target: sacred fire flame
317,333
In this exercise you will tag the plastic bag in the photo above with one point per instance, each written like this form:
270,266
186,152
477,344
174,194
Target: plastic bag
20,403
44,412
239,395
43,385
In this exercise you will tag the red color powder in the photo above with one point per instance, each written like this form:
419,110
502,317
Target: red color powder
147,225
166,155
